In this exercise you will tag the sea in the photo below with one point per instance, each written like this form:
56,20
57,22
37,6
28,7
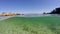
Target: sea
28,15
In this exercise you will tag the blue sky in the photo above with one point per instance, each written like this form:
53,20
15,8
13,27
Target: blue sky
28,6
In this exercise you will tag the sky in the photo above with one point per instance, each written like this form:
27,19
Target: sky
28,6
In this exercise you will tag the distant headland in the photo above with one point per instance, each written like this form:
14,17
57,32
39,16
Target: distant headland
10,14
54,11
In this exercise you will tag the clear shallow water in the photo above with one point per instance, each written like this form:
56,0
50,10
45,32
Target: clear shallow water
6,17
